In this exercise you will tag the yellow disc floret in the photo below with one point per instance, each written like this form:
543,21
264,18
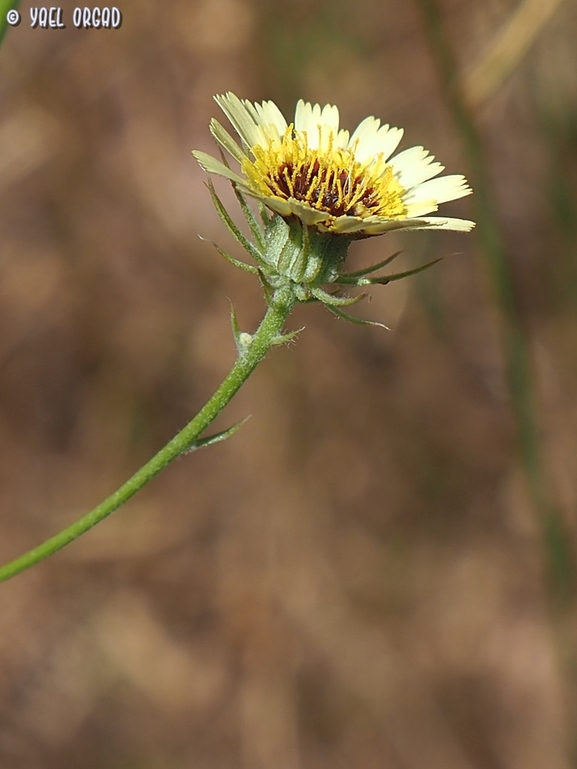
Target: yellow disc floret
327,179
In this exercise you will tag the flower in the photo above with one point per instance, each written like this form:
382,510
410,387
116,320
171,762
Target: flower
354,186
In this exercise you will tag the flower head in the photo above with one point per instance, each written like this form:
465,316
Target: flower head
333,182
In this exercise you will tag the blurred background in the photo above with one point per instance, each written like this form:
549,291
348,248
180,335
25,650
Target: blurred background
376,571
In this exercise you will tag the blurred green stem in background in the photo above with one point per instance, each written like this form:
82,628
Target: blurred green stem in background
558,549
252,351
5,6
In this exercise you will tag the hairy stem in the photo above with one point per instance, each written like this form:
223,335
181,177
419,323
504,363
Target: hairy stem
268,334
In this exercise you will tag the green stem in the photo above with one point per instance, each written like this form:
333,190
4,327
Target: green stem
5,6
268,334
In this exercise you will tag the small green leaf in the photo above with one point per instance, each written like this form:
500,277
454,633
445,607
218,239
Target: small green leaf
285,338
367,270
236,262
333,300
201,443
231,226
248,214
352,319
398,275
264,214
234,322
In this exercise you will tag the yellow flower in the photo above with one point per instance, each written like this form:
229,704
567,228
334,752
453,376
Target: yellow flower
344,185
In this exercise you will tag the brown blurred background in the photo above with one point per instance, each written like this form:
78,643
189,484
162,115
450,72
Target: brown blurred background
358,578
